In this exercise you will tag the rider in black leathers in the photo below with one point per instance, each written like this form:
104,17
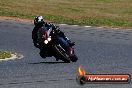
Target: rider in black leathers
40,23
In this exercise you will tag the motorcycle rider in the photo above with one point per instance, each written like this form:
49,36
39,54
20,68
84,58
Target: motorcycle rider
40,23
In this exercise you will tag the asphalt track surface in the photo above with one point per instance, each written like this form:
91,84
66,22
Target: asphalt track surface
99,51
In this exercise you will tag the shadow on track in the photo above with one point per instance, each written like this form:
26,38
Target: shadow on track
47,63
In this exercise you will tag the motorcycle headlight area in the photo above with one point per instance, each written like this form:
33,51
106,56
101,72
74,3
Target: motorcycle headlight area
48,39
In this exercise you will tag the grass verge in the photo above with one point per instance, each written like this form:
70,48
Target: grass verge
113,13
5,54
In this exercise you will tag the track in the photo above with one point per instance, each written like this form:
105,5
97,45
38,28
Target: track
99,51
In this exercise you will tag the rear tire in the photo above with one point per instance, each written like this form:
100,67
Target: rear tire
74,58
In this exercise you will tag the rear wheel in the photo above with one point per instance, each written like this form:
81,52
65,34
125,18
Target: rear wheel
74,58
61,55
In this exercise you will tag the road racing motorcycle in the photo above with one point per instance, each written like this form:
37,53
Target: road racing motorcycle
48,39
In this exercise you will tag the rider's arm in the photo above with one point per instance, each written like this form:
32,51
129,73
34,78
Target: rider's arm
57,29
34,33
34,37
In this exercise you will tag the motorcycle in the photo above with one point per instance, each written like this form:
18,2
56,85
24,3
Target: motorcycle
51,47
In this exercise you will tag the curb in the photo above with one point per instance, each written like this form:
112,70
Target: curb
88,26
13,57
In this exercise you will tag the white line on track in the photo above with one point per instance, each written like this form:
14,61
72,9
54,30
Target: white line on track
87,26
63,24
75,25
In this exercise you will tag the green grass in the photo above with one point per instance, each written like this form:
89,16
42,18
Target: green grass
5,54
85,12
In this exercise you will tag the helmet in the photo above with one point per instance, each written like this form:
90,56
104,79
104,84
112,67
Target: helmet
38,20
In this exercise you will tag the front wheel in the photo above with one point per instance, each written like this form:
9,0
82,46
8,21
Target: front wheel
42,54
60,54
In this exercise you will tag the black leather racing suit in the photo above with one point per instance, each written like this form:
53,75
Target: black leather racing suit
48,25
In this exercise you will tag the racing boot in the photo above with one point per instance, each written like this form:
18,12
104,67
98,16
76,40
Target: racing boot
71,43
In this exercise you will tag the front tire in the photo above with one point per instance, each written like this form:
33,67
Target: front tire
60,55
42,54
